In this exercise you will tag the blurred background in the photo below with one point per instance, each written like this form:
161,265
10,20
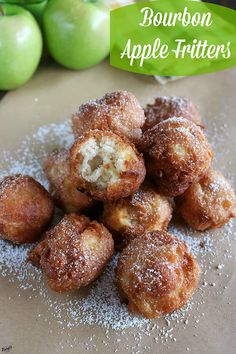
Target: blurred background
116,3
229,3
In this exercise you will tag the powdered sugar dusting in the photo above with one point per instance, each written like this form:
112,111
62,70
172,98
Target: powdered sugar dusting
166,107
28,157
102,304
119,111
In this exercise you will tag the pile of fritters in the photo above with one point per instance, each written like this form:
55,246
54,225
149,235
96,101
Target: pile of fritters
140,165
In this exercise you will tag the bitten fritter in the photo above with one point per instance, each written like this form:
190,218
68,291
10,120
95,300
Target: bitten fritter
177,154
106,166
210,203
167,107
26,209
73,253
157,274
128,218
57,169
118,111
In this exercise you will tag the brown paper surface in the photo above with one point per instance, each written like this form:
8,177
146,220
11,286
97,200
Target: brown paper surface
27,324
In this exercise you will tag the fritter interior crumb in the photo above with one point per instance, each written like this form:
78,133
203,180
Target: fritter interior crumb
106,166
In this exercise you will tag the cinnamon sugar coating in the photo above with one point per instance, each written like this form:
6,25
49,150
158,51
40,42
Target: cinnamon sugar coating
172,106
106,166
143,211
26,209
64,192
157,274
177,154
210,203
73,253
118,111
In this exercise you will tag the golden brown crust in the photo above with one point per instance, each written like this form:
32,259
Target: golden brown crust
26,209
128,218
157,274
118,111
176,154
73,253
172,106
106,166
64,192
210,203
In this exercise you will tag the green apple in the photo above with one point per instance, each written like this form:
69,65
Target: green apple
77,32
20,46
36,9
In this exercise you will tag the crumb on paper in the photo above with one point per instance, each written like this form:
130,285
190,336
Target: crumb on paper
6,348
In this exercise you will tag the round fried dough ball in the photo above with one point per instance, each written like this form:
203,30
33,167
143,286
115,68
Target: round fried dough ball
73,253
210,203
57,169
156,274
177,154
167,107
106,166
118,111
128,218
26,209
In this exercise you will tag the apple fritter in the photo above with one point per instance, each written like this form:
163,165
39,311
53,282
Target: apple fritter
157,274
172,106
177,154
26,209
106,166
118,111
209,203
73,253
64,192
145,210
